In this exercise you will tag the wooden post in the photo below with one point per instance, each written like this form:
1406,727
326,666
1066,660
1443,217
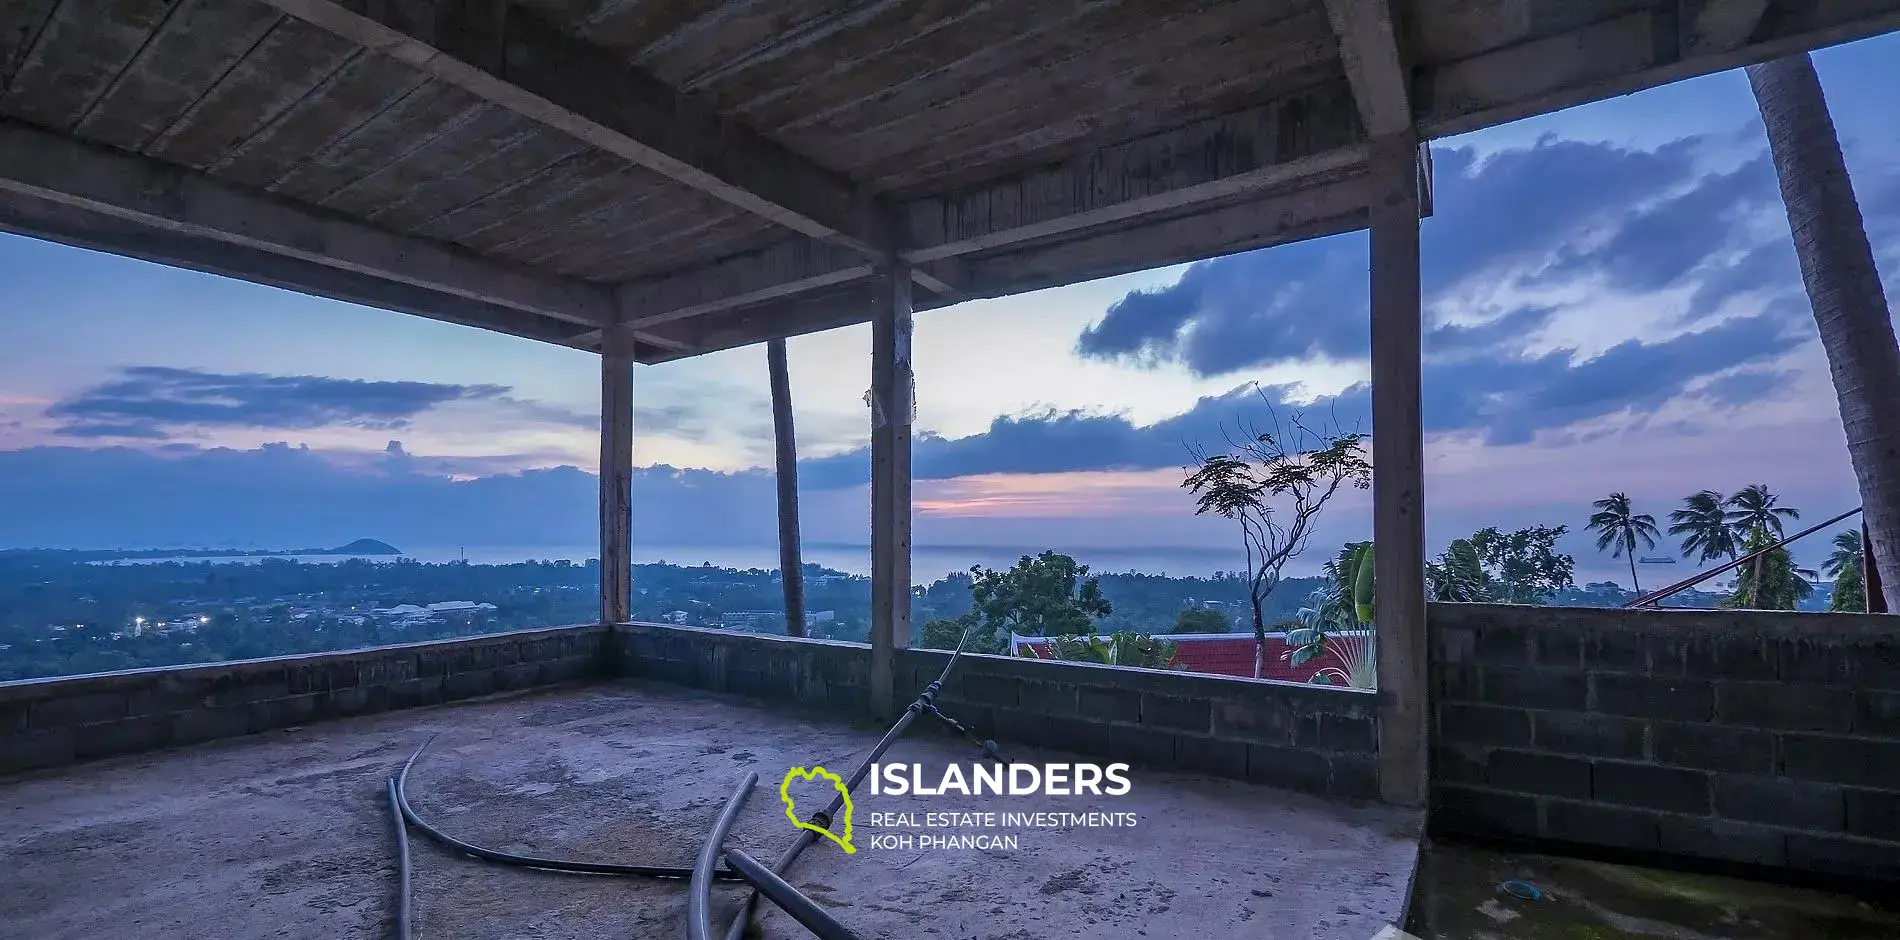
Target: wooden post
791,567
616,476
891,408
1398,488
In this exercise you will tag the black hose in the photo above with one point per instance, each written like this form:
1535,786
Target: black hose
699,891
802,909
402,862
926,701
529,861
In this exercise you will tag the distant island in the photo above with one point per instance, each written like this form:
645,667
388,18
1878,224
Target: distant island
358,547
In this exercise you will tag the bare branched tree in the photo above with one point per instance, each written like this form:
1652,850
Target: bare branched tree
1273,483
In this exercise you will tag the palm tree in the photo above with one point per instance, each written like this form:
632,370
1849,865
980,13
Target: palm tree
1619,529
1757,522
1703,523
1846,554
1753,509
1844,290
1772,582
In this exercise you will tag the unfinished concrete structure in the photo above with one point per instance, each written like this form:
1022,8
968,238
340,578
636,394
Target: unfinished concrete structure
656,181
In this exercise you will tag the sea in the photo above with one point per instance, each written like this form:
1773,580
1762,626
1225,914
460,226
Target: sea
928,562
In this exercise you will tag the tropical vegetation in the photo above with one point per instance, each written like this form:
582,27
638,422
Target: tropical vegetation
1272,484
1619,528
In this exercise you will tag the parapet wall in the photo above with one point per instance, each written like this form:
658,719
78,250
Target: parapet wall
1769,739
49,722
1303,737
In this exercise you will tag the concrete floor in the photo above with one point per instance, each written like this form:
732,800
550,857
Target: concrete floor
1459,898
287,835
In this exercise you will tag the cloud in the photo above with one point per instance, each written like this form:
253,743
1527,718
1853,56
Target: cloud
1554,214
1059,441
154,402
1497,399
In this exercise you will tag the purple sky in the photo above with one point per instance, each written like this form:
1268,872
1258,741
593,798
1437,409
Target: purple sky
1612,303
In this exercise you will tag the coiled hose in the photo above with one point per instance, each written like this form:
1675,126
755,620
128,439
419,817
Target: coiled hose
530,861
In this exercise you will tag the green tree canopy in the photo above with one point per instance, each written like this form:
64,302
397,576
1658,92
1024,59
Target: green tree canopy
1850,591
1845,554
1771,581
1523,567
1048,595
1200,620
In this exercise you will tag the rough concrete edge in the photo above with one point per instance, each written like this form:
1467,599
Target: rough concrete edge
30,689
1710,624
1404,923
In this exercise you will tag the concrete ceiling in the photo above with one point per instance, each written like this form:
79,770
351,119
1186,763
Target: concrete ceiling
712,173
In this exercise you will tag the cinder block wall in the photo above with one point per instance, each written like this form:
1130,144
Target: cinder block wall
1768,739
1301,737
49,722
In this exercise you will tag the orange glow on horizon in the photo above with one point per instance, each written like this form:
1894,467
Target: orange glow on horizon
1053,495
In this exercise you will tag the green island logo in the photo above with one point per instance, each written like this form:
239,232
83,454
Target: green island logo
791,812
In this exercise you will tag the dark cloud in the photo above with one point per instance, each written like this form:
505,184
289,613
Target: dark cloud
1506,399
1509,400
281,495
1744,387
1554,212
1060,441
1654,246
151,402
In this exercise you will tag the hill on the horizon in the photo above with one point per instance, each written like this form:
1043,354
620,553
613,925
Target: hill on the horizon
366,547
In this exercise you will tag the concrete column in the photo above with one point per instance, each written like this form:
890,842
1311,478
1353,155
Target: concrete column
616,476
1398,488
891,408
791,565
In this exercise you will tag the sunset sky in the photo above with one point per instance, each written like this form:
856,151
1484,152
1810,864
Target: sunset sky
1612,304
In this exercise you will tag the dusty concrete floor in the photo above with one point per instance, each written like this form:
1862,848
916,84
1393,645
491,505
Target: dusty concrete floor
1458,898
287,835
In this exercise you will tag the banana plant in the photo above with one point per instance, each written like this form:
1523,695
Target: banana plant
1341,621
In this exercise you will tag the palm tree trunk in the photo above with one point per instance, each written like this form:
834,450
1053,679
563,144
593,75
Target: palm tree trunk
790,565
1633,582
1850,307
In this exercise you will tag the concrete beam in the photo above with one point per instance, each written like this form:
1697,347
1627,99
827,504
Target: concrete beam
1220,159
1244,226
1369,50
1276,219
515,60
156,195
1398,480
1721,25
38,218
1105,196
616,479
891,415
791,267
1630,53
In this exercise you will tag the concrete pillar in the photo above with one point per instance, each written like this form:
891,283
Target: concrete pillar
616,476
891,409
791,565
1398,488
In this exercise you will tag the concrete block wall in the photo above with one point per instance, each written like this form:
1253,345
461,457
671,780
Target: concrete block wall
50,722
1766,739
1301,737
821,673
